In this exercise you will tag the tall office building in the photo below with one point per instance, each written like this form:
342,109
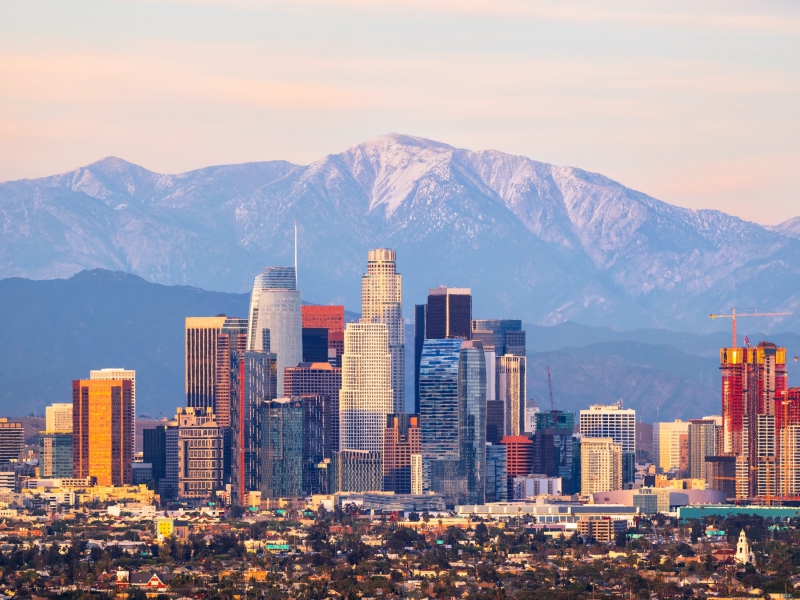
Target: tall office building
58,417
315,470
667,444
555,419
496,474
617,423
382,302
366,396
168,485
520,456
453,418
232,338
282,441
275,318
101,428
702,444
601,465
504,335
55,454
449,313
200,344
495,420
325,381
154,450
200,454
420,317
402,474
512,391
253,381
315,344
128,375
332,319
554,456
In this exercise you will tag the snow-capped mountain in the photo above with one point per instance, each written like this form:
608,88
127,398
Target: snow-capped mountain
534,241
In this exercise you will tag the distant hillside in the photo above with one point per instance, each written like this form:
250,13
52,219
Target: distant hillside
56,331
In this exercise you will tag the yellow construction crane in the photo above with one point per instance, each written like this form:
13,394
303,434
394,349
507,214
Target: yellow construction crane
733,315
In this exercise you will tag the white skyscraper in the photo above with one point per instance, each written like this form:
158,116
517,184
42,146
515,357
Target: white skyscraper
276,322
601,465
617,423
124,374
667,444
366,395
382,302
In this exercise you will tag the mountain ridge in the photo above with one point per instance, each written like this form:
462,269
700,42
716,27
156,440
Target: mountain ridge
535,241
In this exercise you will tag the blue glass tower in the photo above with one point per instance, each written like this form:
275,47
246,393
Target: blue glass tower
282,440
472,420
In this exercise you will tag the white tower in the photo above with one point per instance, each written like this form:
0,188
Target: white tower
382,302
366,395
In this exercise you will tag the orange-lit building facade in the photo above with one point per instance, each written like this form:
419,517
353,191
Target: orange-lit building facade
519,458
401,442
101,430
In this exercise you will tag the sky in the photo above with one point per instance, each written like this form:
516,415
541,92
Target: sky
695,103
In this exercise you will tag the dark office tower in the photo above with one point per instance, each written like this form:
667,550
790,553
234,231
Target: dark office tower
315,345
472,419
495,421
555,419
553,455
55,454
319,379
12,438
496,477
420,312
402,455
315,478
449,313
154,446
232,338
282,439
200,347
253,381
332,319
506,335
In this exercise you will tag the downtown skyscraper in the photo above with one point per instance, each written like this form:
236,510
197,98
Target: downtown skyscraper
382,302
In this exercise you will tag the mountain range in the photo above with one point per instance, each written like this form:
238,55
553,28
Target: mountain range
535,241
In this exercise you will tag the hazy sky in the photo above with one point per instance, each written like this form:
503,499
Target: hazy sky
696,103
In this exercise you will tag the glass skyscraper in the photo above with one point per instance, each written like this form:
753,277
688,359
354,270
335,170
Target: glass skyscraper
472,418
282,447
276,323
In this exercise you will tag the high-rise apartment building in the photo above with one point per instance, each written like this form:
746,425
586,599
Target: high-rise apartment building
253,381
275,318
601,465
116,373
512,391
58,417
702,444
55,454
315,420
401,443
232,338
439,407
200,344
472,420
366,397
382,302
667,444
356,471
282,441
617,423
325,381
200,454
102,430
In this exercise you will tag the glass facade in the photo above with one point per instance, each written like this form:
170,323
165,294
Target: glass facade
253,381
282,440
154,447
438,400
449,313
55,454
232,338
512,391
201,359
315,344
314,421
472,418
496,474
495,332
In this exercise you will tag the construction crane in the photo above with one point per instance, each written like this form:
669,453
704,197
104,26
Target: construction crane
733,315
550,387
